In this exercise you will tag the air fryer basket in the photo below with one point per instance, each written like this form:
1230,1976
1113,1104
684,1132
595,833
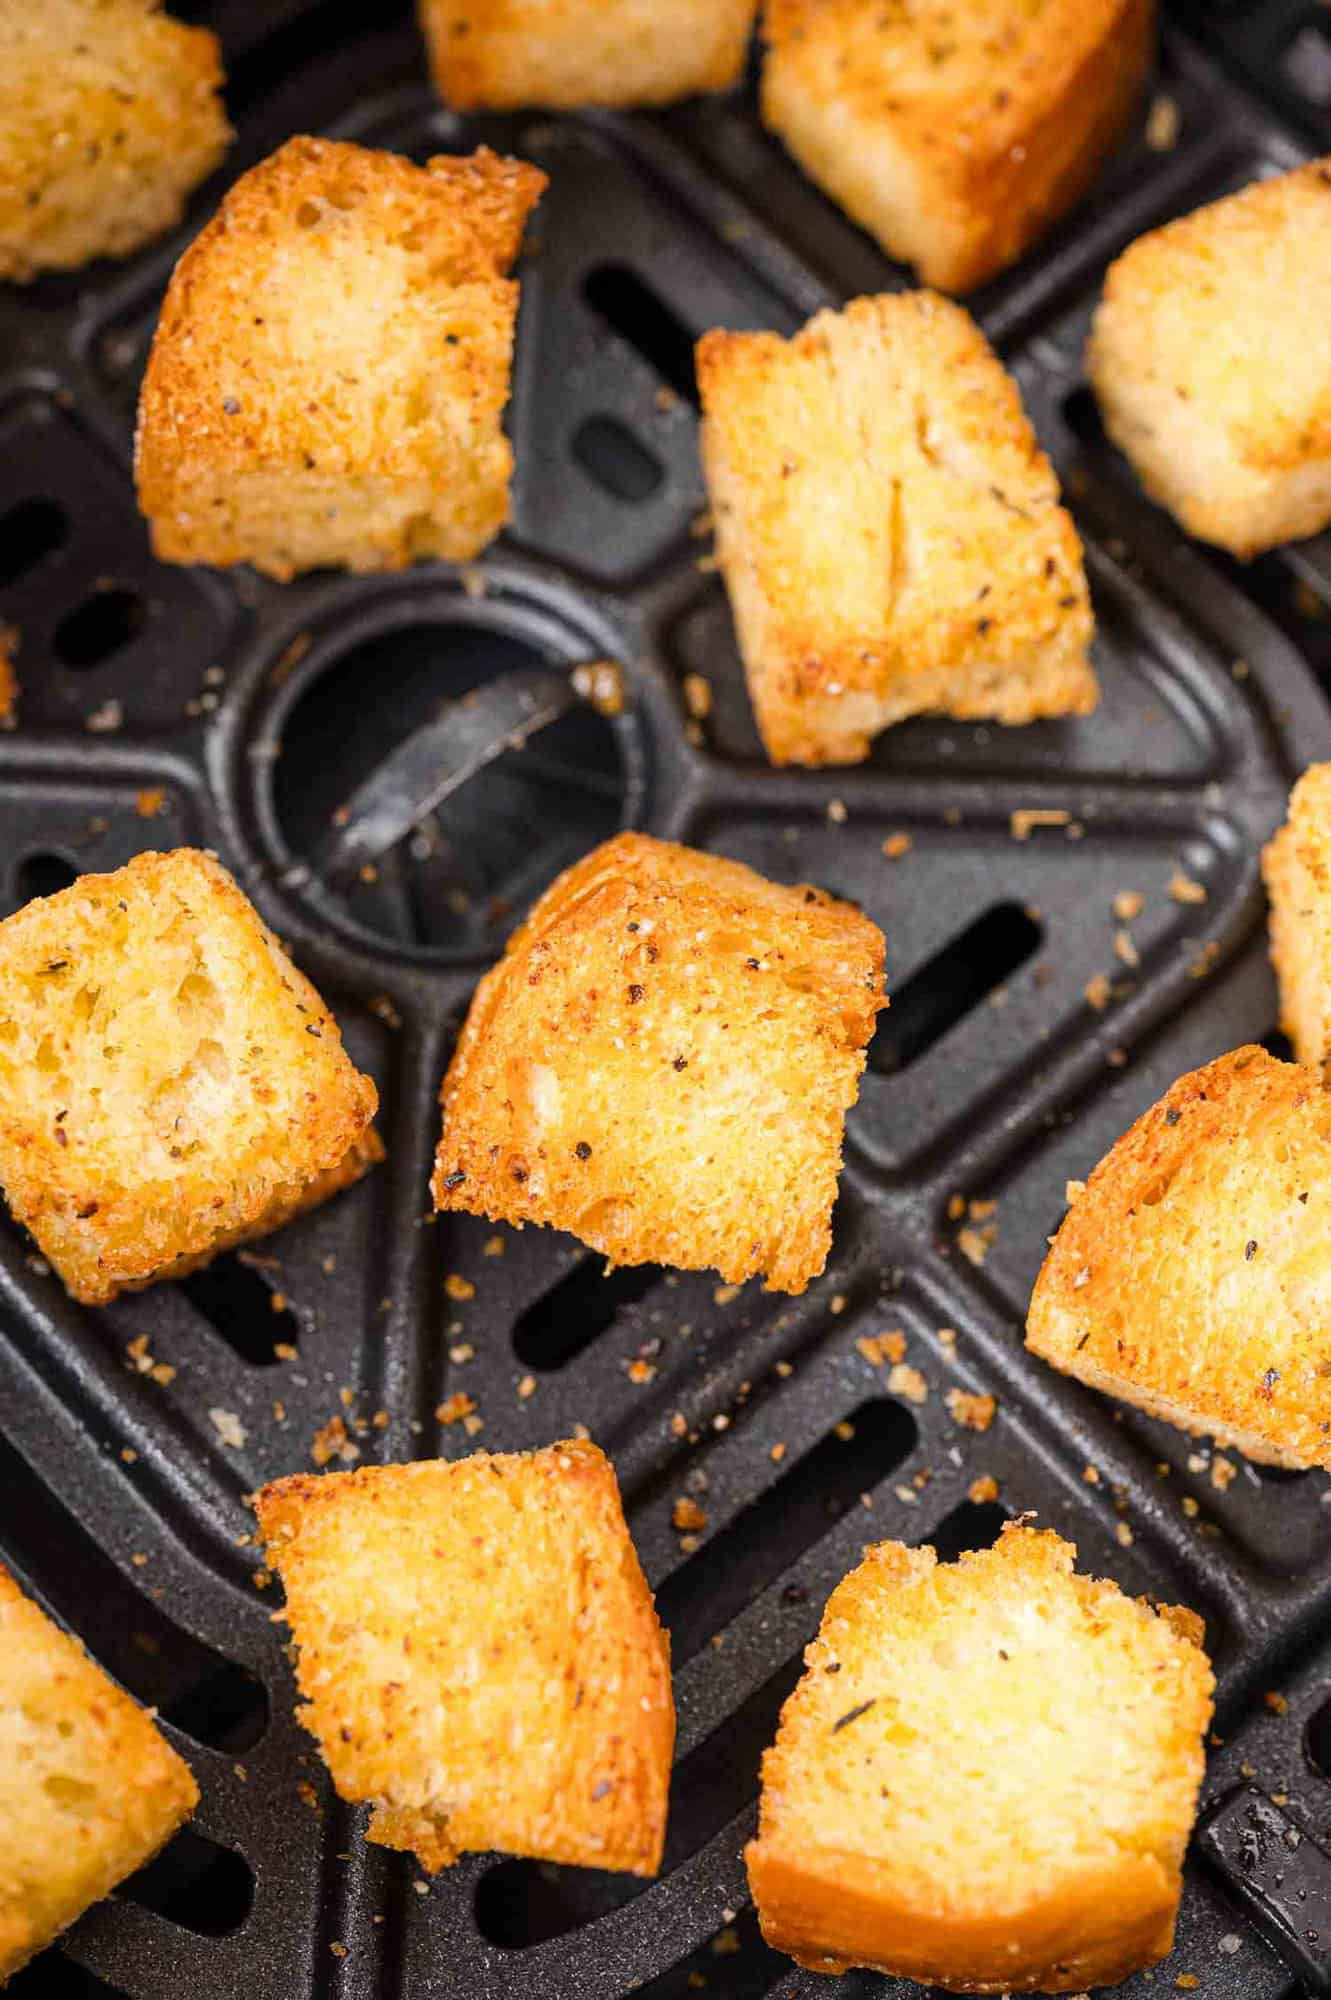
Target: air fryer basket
164,705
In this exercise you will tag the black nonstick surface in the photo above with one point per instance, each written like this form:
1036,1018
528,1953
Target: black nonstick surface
164,705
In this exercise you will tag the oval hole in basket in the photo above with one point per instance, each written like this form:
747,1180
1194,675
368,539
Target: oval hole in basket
238,1302
637,312
99,627
29,533
1317,1740
165,1667
525,1903
951,984
609,453
195,1883
566,1319
773,1532
43,873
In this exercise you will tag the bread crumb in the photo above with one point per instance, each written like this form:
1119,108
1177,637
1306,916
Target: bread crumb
687,1517
473,1425
1187,1982
1090,1476
1073,1192
975,1244
946,1337
1277,1703
149,802
527,1387
1098,992
1125,950
640,1371
458,1287
777,1452
956,1207
844,1430
1184,890
896,845
493,1246
229,1428
1223,1471
698,696
1026,818
880,1347
455,1407
600,682
461,1353
725,1295
332,1441
1128,903
972,1412
836,811
1190,1507
903,1380
983,1490
1123,1535
1162,124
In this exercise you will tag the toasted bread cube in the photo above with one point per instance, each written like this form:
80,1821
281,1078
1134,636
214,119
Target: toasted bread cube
565,53
479,1655
1212,386
662,1062
1297,868
89,1788
888,528
332,361
110,116
954,135
987,1777
1193,1275
170,1085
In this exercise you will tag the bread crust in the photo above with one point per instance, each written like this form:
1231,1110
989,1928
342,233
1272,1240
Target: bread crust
661,1063
110,115
1217,392
480,1656
889,529
339,402
1296,866
89,1788
562,54
1192,1276
850,1868
955,143
170,1084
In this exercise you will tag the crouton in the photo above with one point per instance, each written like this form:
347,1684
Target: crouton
1297,867
889,529
1212,386
169,1083
565,53
110,116
987,1777
662,1062
89,1788
479,1655
332,361
954,136
1193,1276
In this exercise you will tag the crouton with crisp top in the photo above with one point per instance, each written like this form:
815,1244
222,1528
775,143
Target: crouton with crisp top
955,134
332,362
170,1085
1297,868
1209,360
502,54
987,1778
89,1787
479,1655
889,529
662,1062
1193,1276
110,116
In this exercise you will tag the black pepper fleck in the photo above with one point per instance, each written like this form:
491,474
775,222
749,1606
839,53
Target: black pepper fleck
852,1715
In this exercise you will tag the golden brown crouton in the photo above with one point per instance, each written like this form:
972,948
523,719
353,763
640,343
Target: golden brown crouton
987,1777
332,361
1297,868
1209,358
1194,1273
479,1654
563,53
169,1083
662,1062
955,135
110,115
89,1789
888,528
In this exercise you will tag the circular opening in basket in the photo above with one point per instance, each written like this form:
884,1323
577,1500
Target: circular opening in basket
458,880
